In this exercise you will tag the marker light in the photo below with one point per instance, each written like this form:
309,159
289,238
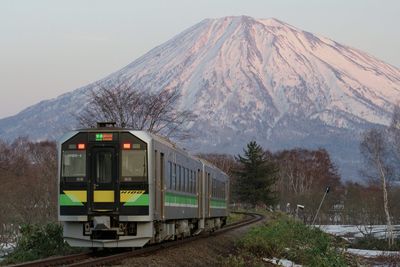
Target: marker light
107,137
81,146
104,137
99,137
126,146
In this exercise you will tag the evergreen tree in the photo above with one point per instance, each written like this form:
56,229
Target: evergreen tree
256,176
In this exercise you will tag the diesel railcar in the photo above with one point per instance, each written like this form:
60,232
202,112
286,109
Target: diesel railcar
125,188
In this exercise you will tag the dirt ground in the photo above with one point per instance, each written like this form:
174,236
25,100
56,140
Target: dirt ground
208,251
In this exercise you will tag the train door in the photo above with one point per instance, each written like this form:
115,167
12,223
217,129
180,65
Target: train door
157,187
208,185
162,178
160,184
199,193
103,179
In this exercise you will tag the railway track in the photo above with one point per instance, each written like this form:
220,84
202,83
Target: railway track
91,259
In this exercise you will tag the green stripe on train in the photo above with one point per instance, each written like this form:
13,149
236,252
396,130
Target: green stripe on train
67,201
218,203
173,198
142,200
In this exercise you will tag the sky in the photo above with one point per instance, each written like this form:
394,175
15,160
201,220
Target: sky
49,47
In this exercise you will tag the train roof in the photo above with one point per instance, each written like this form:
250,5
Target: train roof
161,139
158,138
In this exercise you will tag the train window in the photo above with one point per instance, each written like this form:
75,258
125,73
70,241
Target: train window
162,172
103,167
187,181
170,174
179,178
134,164
191,182
188,185
74,163
194,183
214,187
184,180
174,177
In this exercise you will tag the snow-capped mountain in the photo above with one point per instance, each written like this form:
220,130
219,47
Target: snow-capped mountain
250,79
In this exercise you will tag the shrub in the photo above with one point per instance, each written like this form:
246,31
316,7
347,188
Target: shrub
374,243
37,241
287,238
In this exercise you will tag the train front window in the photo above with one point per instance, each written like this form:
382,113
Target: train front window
103,167
134,165
74,163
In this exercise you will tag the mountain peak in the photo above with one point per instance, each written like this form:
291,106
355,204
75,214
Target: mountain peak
272,22
247,78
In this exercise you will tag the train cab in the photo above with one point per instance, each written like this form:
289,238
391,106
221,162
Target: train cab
103,186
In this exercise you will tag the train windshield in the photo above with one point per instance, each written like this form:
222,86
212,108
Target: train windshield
104,167
74,163
134,164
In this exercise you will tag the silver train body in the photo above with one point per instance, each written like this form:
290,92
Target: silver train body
122,188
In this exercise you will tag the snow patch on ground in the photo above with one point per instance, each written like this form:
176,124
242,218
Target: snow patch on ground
5,249
354,231
282,262
372,253
378,231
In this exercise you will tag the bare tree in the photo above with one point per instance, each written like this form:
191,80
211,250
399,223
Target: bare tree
302,179
228,164
120,102
363,205
394,137
225,162
29,186
376,153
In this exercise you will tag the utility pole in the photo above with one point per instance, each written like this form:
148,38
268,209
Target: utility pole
320,204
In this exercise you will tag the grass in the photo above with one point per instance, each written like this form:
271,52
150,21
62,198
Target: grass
234,217
286,238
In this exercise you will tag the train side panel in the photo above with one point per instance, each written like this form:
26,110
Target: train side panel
177,194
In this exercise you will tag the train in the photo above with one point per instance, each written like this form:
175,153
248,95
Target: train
126,188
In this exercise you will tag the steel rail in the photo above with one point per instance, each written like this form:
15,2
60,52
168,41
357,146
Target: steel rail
55,261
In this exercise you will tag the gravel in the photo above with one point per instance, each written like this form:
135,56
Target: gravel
208,251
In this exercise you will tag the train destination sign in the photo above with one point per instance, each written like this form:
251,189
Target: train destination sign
104,136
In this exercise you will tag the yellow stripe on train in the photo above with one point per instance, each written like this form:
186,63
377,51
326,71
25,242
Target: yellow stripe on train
103,196
76,195
130,195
